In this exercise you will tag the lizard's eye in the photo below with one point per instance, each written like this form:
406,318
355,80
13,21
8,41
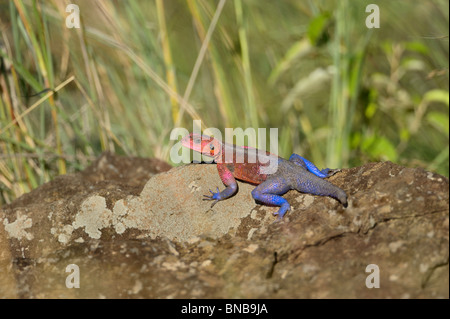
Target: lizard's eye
197,140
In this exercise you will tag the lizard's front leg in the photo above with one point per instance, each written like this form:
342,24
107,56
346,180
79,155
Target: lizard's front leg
228,179
268,193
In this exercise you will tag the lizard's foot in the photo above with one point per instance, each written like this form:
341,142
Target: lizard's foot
215,197
330,172
303,162
283,209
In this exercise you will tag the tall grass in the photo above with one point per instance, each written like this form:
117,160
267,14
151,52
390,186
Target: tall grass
340,94
348,57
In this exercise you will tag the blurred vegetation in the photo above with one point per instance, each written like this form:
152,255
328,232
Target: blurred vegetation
341,94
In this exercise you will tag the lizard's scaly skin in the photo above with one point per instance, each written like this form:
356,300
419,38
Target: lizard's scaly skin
246,163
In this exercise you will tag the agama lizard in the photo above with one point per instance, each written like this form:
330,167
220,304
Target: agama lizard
296,173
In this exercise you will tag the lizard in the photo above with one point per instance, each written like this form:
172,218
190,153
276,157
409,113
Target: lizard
296,173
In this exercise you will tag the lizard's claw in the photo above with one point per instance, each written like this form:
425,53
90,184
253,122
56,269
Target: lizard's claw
215,197
280,213
330,171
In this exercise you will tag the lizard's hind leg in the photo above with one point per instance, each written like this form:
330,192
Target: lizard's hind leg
303,162
268,193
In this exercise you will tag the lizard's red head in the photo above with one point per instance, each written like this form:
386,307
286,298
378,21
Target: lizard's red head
203,144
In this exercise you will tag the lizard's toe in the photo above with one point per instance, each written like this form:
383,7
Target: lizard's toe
214,203
278,219
331,171
283,209
208,197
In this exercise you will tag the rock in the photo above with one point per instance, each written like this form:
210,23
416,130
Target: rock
132,228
